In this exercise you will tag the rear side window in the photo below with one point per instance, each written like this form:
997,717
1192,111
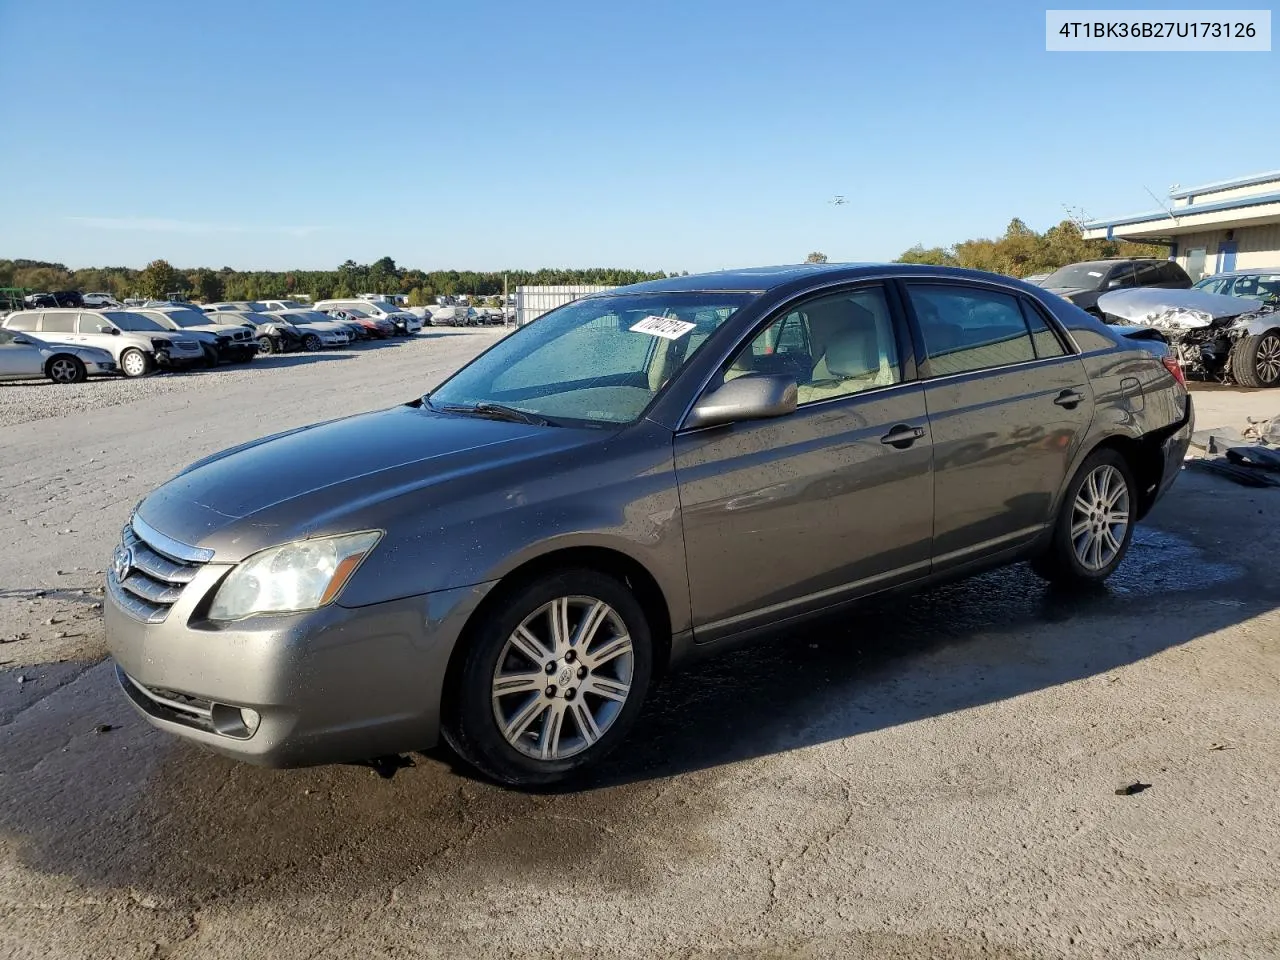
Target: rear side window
968,329
58,321
1149,274
22,321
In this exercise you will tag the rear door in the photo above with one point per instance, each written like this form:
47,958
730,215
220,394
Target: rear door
1009,403
793,514
59,326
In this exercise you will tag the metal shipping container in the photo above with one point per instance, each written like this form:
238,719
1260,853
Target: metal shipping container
533,302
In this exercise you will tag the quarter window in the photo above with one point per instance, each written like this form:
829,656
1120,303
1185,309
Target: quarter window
834,346
967,329
22,321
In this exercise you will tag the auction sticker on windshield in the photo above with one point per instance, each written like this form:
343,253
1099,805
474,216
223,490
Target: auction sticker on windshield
667,327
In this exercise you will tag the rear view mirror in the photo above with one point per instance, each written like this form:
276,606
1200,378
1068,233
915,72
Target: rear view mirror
750,397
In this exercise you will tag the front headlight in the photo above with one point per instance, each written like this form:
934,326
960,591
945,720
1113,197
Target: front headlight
292,577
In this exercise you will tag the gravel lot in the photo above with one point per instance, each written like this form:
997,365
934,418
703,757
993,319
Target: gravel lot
934,778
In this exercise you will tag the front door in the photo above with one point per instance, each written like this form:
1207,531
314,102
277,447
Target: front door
18,359
793,514
1008,405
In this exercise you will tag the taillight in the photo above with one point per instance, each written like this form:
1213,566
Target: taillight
1174,366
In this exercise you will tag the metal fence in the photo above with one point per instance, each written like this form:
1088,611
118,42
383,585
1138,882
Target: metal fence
533,302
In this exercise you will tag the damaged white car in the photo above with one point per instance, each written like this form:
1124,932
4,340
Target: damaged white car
1224,338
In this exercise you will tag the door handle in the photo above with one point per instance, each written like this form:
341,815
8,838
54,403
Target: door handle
902,436
1068,399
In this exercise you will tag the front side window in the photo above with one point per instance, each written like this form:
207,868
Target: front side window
600,360
133,322
1149,274
834,346
966,328
1121,277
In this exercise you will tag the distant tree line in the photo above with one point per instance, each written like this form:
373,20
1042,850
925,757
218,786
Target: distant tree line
1022,251
159,278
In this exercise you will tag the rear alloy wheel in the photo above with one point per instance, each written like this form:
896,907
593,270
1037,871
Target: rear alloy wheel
1094,525
553,679
265,346
311,343
1255,360
134,362
66,369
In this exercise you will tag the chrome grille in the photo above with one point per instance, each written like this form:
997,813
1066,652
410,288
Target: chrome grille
149,571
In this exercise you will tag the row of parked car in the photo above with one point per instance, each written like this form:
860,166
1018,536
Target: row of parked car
69,344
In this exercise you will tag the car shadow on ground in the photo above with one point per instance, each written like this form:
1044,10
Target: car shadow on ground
135,809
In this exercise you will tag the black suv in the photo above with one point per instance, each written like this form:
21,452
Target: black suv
63,298
1084,283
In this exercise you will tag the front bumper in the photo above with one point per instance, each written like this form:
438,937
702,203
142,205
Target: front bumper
237,351
328,685
103,369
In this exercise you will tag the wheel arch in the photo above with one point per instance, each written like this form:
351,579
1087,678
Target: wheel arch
628,569
1145,457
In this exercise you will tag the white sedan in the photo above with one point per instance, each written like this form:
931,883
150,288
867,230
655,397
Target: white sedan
25,356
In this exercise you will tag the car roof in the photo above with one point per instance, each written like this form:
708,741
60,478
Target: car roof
1248,271
765,279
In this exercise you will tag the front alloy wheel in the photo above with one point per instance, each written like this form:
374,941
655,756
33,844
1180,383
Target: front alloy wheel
553,676
66,370
562,678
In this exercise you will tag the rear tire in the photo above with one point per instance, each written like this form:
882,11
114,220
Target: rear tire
1255,360
537,704
135,363
65,368
1094,525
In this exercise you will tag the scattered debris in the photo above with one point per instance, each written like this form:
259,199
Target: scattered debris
1245,476
106,727
15,637
1259,457
1221,746
22,678
1132,788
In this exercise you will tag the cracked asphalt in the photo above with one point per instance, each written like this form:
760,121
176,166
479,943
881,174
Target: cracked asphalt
934,777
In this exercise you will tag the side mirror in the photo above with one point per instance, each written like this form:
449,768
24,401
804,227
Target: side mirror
22,340
749,397
103,328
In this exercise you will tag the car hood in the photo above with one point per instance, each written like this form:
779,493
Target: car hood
333,477
1167,309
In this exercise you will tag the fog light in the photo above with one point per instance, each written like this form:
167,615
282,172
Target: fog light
250,719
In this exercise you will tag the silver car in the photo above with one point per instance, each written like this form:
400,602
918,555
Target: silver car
633,480
24,356
137,343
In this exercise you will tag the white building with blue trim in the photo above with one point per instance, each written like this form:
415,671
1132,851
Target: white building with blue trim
1228,225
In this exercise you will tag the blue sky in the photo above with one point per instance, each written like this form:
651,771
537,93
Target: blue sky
665,135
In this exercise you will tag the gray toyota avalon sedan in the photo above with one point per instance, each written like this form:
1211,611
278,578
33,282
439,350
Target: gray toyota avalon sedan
641,476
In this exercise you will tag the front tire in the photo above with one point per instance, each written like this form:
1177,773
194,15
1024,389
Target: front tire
1255,360
134,363
311,343
66,369
554,676
1095,523
265,346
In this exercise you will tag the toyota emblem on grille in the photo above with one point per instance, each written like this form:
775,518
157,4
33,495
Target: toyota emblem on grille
121,562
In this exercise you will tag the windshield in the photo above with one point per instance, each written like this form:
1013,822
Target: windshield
383,306
1086,275
600,360
133,322
188,318
357,314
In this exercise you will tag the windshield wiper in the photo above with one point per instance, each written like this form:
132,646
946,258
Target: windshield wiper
494,411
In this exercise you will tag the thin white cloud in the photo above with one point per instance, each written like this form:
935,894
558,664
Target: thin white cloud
162,225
